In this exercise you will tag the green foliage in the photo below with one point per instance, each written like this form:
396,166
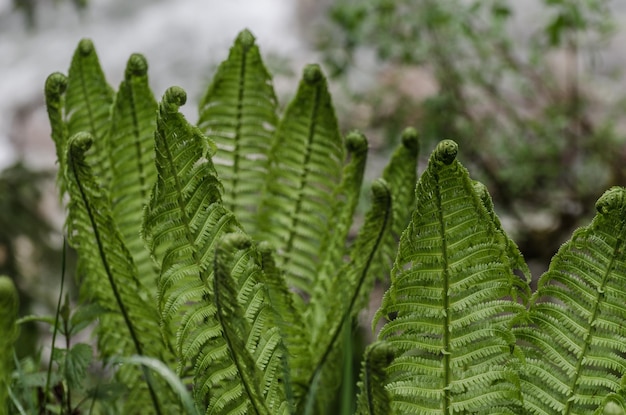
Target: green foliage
478,72
579,306
238,316
9,303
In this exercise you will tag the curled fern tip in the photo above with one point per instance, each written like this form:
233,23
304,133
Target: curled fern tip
80,142
137,65
410,139
446,151
356,142
86,47
380,189
175,97
612,200
56,84
312,73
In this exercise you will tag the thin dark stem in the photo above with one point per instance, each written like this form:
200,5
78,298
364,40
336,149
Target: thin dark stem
67,350
56,321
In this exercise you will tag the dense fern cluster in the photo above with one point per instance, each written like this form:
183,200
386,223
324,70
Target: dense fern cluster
221,251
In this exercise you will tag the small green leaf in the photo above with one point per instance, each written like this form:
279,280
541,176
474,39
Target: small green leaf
83,316
75,364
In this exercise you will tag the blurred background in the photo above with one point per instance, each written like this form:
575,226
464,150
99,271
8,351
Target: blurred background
534,92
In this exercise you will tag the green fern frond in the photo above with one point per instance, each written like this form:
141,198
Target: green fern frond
9,305
108,275
88,101
373,398
401,176
56,85
347,296
288,315
333,248
133,121
238,112
448,302
575,337
230,315
306,161
346,198
183,223
184,215
511,253
222,375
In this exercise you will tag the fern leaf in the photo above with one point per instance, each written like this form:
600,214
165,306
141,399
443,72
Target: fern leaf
373,398
347,295
108,274
574,339
184,214
231,318
88,101
56,84
333,248
238,113
288,314
347,198
183,223
448,302
222,357
305,168
512,253
401,175
133,121
9,304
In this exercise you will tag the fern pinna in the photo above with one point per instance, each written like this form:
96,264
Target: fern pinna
223,251
575,332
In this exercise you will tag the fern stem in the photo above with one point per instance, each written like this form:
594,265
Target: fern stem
446,301
56,319
114,287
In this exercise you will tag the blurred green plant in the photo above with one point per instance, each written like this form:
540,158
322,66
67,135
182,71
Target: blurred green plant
29,9
27,252
492,88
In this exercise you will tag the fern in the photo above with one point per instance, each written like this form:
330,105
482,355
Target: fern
348,294
574,339
374,399
183,223
88,101
448,302
9,304
221,250
56,85
304,169
109,276
401,175
238,113
133,171
333,248
182,218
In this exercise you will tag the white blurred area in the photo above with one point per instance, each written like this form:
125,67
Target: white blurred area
183,40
